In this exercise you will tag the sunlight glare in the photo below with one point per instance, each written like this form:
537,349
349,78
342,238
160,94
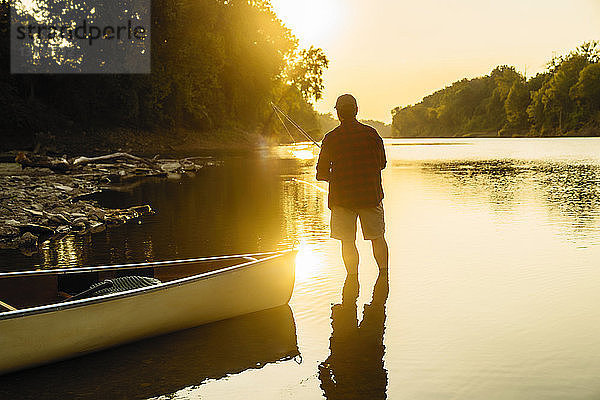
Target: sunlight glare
303,154
308,262
312,21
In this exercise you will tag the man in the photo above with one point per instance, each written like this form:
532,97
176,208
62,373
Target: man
351,159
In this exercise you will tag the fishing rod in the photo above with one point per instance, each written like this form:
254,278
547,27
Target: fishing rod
302,131
319,188
279,111
285,126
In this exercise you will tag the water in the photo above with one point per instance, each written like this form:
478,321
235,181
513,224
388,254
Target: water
492,288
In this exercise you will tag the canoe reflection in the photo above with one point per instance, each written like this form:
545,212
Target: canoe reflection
165,364
354,369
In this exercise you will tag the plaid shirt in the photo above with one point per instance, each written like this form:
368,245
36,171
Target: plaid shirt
351,159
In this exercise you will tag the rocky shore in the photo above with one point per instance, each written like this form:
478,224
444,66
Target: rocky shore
45,198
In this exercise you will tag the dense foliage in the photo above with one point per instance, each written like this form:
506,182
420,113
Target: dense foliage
563,100
216,65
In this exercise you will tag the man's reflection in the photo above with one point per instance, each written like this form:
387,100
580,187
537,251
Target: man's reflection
354,369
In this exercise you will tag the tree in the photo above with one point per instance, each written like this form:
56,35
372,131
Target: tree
216,65
586,92
306,72
515,107
564,98
552,108
300,83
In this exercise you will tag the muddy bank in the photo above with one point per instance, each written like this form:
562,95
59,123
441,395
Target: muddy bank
45,197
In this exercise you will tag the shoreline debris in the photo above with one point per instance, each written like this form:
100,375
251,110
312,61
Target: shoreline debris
49,197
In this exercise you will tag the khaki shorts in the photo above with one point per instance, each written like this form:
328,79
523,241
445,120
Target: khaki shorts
343,222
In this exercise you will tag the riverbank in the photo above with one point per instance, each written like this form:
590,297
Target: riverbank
146,143
44,198
584,132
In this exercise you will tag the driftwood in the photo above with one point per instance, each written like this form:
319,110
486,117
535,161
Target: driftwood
81,161
115,167
64,165
54,164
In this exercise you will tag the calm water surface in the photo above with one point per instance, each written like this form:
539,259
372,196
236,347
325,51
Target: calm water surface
492,291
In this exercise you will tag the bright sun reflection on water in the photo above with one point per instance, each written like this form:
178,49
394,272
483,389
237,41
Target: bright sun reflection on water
302,153
308,261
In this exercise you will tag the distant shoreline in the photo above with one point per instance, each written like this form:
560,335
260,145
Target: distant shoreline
189,142
495,135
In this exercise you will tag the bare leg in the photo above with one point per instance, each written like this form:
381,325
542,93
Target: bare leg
350,256
380,252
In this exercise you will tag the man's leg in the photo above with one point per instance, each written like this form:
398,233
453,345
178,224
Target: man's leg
343,228
350,256
380,252
372,221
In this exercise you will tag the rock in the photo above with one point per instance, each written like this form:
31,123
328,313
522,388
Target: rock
97,215
27,240
9,231
5,244
37,229
63,187
58,219
170,166
79,220
96,227
62,229
79,226
85,196
28,251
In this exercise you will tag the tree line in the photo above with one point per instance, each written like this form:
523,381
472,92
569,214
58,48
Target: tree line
562,100
216,66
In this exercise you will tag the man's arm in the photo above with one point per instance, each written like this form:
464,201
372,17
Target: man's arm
383,159
324,163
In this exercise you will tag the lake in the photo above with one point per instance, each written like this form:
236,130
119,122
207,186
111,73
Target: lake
492,289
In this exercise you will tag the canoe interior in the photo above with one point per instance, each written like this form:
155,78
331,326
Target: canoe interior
49,287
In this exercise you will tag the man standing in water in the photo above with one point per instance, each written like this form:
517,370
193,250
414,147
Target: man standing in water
351,159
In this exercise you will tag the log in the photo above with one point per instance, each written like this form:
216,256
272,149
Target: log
34,212
56,165
81,161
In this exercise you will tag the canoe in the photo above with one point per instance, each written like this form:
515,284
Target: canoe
160,366
45,327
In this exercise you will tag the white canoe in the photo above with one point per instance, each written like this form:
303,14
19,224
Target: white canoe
192,292
159,366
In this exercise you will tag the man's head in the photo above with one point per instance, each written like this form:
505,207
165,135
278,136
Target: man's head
346,107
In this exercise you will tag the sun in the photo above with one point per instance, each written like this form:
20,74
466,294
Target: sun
313,22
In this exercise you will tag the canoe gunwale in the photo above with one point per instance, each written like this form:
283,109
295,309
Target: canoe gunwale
54,307
167,263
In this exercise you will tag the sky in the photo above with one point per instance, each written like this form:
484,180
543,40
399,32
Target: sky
391,53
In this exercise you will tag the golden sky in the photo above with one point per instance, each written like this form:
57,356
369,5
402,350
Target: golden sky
391,53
